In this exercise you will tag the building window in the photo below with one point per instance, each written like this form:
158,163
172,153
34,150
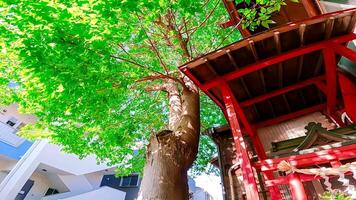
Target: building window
129,181
51,191
123,181
12,121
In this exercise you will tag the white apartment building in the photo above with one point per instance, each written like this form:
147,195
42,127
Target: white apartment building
41,171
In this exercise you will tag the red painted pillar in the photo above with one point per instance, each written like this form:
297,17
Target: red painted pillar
330,68
242,154
274,192
348,90
296,187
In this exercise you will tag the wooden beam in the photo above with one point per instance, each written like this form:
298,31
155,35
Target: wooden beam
301,32
277,42
252,48
283,180
282,91
310,8
315,158
351,26
329,27
243,82
277,59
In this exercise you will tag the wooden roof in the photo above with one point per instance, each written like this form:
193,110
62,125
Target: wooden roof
289,13
316,136
225,63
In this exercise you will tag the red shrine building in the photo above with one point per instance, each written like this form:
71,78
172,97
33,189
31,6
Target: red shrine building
289,95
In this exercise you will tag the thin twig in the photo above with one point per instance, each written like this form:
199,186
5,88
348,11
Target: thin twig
163,64
193,30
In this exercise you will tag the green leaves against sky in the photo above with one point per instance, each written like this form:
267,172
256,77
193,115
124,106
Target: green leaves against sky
70,61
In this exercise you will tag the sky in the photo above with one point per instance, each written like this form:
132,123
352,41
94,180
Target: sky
211,184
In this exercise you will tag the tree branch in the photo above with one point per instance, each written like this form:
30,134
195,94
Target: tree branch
193,30
154,48
160,77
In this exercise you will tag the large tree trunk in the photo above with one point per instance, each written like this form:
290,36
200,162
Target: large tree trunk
170,154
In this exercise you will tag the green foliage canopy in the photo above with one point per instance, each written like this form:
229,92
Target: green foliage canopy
257,13
80,66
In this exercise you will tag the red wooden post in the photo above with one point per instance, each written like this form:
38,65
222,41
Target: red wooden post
242,154
296,187
330,68
273,190
348,90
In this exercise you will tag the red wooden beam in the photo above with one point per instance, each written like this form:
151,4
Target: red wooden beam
289,116
277,59
242,154
348,91
283,180
330,68
344,51
241,115
282,91
321,86
310,159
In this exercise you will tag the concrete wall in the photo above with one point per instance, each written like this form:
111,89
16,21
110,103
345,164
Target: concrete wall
40,187
94,179
106,193
69,162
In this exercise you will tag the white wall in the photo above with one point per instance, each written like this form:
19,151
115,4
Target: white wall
103,193
95,179
21,172
69,162
57,182
76,183
290,129
40,187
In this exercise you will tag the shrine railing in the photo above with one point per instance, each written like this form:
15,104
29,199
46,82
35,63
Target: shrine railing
297,175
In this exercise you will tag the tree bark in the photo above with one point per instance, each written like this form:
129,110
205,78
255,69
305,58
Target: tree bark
170,153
